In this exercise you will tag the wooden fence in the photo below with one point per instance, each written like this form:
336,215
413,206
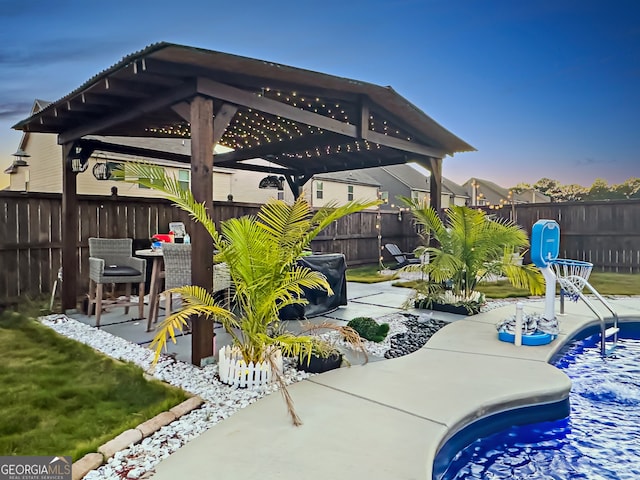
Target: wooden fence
605,233
31,234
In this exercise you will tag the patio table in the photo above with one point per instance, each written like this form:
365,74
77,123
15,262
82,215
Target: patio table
157,270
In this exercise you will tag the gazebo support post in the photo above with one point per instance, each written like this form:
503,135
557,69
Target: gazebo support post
435,183
201,110
434,165
69,232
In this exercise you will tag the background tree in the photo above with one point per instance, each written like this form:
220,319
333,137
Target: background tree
630,188
571,193
548,187
599,190
521,187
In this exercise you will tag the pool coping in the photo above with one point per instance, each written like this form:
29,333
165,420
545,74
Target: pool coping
397,414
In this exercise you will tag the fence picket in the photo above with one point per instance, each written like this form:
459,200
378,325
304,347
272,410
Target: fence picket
31,233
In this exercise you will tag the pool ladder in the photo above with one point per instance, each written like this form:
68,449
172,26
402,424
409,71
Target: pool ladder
574,285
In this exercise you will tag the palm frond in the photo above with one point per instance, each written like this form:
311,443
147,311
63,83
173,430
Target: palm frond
155,177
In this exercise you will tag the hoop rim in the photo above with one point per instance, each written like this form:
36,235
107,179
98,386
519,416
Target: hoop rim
571,262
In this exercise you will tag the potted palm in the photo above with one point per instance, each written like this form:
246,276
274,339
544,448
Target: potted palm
261,253
470,247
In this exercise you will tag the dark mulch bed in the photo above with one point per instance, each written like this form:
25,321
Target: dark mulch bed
415,337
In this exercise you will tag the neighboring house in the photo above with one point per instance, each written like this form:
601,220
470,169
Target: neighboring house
485,193
533,196
42,172
453,194
404,180
340,187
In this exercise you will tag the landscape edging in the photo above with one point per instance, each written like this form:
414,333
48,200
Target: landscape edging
91,461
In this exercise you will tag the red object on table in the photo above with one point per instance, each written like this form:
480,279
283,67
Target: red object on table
163,237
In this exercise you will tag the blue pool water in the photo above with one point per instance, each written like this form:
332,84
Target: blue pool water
599,440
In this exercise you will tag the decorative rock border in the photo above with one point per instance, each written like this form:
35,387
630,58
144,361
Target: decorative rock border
150,442
91,461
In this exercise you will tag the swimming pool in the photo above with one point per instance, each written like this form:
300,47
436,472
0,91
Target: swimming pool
599,440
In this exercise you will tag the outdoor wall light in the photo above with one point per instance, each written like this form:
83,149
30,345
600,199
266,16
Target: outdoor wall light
78,159
20,158
271,181
102,171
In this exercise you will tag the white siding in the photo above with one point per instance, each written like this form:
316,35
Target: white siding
244,188
44,164
17,180
337,192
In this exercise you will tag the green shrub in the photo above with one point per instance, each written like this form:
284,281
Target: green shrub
369,329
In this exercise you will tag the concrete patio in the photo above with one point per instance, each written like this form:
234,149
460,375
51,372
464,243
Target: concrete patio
371,300
386,419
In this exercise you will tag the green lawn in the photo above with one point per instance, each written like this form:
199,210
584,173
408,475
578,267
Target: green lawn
615,283
367,274
60,397
604,283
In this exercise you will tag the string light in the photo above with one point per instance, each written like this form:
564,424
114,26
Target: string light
251,128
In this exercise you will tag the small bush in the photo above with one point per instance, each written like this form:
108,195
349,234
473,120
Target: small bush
369,329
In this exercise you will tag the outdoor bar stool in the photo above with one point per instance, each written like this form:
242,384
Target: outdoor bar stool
111,262
177,273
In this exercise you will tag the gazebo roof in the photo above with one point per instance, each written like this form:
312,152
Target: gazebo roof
304,122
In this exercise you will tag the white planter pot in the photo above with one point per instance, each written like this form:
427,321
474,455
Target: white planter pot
233,370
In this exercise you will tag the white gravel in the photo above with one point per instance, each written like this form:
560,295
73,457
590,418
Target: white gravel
221,401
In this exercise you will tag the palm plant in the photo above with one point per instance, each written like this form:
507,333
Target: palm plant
471,247
261,252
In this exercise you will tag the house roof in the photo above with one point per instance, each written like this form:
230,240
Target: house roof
495,194
489,191
356,177
409,176
533,196
305,122
418,181
454,188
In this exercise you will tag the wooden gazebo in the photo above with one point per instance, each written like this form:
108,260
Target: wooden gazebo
302,122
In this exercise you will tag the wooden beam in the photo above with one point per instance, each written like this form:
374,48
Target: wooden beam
363,127
174,157
294,184
275,148
183,109
148,106
241,76
404,145
70,270
137,151
127,89
202,243
261,168
222,120
251,100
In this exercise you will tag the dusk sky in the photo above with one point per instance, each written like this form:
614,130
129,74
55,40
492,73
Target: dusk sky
539,88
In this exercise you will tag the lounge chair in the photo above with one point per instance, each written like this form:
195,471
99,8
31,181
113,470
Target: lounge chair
403,258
